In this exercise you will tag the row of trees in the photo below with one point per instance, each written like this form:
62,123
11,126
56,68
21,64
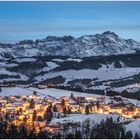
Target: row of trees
108,129
125,94
14,132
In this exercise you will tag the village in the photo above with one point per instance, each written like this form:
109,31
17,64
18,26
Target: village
36,111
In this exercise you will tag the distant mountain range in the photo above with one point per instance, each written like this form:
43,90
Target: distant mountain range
91,63
107,43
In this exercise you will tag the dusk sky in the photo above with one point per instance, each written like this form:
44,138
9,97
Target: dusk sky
33,20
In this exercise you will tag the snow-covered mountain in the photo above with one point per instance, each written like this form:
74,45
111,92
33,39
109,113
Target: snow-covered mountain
91,62
107,43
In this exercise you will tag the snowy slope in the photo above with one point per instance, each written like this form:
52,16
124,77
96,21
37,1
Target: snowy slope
101,74
94,118
43,92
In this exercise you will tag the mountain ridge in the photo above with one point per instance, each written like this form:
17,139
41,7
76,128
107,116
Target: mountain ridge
105,44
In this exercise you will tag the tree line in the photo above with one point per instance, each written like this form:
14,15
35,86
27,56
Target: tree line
106,129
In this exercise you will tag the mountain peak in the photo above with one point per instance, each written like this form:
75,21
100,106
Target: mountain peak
109,33
107,43
56,38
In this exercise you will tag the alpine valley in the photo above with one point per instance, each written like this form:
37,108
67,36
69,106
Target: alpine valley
90,63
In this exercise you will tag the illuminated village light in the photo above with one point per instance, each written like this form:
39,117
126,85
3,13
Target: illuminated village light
24,114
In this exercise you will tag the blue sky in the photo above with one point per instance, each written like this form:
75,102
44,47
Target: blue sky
32,20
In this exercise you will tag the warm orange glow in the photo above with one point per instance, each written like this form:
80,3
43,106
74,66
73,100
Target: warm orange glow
23,114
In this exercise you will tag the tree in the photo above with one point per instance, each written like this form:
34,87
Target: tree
32,104
136,136
72,96
0,105
35,93
50,105
58,116
62,102
7,116
23,132
48,114
43,135
20,110
3,129
90,106
78,135
87,109
32,134
55,108
58,136
25,119
69,136
86,128
48,117
17,113
34,116
108,129
129,135
39,118
13,132
69,110
49,110
97,104
64,111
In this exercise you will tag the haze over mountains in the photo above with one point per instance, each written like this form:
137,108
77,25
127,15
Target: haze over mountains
92,63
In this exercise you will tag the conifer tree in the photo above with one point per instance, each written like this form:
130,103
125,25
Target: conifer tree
69,110
32,104
62,102
72,96
34,116
136,136
87,109
129,135
55,108
64,110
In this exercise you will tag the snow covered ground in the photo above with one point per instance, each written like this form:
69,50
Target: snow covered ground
94,118
103,73
131,125
77,60
20,60
134,126
50,91
132,88
6,72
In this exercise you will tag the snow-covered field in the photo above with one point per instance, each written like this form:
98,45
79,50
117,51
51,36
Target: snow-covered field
19,60
130,88
50,91
94,118
6,72
103,73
